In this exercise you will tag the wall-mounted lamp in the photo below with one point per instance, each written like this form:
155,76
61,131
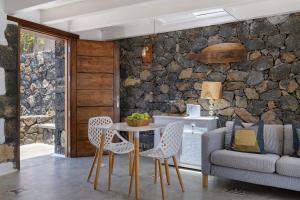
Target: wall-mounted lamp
147,53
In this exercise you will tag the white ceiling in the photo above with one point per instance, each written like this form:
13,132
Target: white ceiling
114,19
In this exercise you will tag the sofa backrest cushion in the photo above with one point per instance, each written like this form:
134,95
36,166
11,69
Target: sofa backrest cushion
288,148
273,137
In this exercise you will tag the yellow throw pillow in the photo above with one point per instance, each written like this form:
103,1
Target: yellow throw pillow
245,140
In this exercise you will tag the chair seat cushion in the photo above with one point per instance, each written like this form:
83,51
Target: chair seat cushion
248,161
288,166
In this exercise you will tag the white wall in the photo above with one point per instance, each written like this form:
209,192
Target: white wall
3,23
2,81
2,72
2,136
2,92
4,167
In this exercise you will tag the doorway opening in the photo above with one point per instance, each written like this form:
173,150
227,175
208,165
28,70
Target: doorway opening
42,95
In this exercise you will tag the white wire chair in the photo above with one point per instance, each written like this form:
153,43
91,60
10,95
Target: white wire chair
167,148
102,139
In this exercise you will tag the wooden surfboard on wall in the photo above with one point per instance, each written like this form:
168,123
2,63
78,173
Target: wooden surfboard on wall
221,53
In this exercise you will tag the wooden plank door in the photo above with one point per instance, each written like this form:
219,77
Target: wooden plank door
95,90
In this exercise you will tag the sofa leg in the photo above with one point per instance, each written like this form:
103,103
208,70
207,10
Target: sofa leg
204,181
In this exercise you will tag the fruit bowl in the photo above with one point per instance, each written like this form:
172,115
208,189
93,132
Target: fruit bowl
137,119
138,122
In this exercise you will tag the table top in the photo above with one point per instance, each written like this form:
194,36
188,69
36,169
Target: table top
124,127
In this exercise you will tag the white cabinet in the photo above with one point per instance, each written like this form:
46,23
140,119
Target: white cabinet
190,153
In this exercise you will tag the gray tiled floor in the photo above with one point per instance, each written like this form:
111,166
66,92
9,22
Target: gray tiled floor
49,178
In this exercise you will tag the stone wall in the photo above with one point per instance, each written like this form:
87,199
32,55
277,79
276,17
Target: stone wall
38,79
265,85
42,93
37,129
8,97
60,97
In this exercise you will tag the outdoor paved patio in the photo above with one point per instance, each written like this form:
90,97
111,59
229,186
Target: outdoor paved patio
49,178
28,151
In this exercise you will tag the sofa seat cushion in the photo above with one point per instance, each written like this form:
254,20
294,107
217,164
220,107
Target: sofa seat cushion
288,166
248,161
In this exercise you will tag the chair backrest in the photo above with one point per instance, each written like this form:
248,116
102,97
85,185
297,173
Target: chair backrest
95,130
171,139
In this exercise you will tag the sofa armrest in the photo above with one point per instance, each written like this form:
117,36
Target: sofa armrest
211,141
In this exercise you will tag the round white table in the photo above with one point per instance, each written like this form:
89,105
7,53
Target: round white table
136,132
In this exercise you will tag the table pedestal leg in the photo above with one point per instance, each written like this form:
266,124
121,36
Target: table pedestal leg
137,164
131,154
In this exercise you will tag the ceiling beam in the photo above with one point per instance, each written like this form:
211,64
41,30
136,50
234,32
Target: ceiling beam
149,26
138,28
146,26
61,26
16,6
264,9
33,16
83,8
42,28
114,19
128,14
95,34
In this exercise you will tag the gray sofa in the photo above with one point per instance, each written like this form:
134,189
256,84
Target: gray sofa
275,168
